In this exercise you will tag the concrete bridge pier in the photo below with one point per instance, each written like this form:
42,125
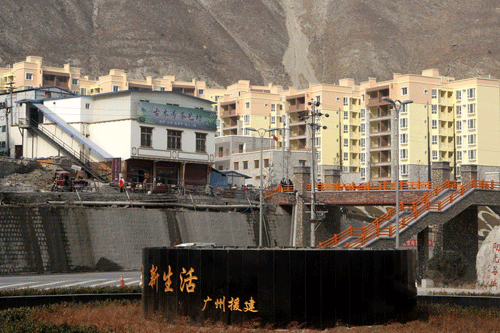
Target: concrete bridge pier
302,177
460,235
422,253
326,228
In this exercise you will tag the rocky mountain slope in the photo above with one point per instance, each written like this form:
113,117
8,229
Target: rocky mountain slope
287,42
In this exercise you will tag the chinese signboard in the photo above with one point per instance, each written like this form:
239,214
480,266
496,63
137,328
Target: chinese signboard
172,115
279,286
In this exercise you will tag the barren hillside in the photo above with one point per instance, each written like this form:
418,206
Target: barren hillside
279,41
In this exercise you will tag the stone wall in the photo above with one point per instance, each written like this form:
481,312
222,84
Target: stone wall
58,239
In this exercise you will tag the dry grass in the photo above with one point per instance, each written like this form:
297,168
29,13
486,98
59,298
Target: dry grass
128,317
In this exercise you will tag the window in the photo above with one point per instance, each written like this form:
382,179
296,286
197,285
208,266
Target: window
201,142
221,152
346,100
458,110
116,88
246,131
403,169
346,142
317,142
273,119
246,118
256,164
471,93
403,123
403,154
318,98
458,95
75,82
471,124
363,172
362,113
434,139
87,105
83,91
318,156
404,108
245,165
266,163
346,156
404,91
434,154
163,89
434,93
362,97
174,139
346,114
471,154
471,108
459,125
4,128
434,109
201,92
146,136
247,105
403,138
28,76
459,155
471,139
236,165
434,124
302,162
346,128
362,157
362,143
459,140
362,128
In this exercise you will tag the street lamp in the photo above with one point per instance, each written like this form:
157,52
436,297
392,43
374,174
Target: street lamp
314,113
397,105
261,132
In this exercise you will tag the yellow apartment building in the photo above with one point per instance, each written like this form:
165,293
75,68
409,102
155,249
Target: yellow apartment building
331,131
245,106
31,73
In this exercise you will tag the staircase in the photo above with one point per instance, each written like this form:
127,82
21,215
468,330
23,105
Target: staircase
99,170
438,200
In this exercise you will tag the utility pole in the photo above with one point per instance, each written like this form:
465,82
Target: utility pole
7,111
314,113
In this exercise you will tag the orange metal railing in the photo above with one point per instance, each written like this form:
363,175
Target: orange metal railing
382,186
416,209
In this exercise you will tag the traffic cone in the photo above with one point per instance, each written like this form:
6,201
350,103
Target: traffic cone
122,283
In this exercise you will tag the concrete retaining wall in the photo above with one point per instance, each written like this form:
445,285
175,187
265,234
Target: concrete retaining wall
57,239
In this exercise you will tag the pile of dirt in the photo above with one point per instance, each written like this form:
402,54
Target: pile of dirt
39,179
9,166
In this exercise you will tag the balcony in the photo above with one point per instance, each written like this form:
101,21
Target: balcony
187,90
56,79
227,110
375,96
296,104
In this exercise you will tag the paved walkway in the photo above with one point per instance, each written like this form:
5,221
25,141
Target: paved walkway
458,291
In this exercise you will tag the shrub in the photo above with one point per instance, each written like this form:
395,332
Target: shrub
448,266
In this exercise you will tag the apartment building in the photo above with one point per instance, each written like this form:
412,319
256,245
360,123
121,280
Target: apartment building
244,106
443,123
32,73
